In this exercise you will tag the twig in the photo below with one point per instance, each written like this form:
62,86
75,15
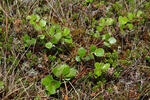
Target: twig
95,96
6,97
32,7
79,75
100,43
126,5
75,91
18,9
25,89
17,63
66,95
4,11
62,9
55,11
6,29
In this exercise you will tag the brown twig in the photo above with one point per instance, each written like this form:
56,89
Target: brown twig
79,75
6,29
126,5
100,43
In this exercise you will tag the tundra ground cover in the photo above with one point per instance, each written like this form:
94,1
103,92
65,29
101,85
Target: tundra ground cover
75,49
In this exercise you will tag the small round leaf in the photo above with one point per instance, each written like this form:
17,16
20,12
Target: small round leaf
49,45
66,31
99,52
81,52
123,20
42,23
105,67
112,40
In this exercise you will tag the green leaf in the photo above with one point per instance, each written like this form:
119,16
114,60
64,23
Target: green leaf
28,17
37,27
105,67
122,27
102,22
50,84
54,40
99,28
92,48
52,58
114,64
68,39
99,52
51,89
42,23
72,73
49,45
130,16
89,1
26,37
47,80
33,17
130,26
58,30
96,35
32,22
112,40
123,20
105,36
91,56
1,85
31,42
81,52
97,72
78,58
66,31
139,13
147,57
109,21
97,65
41,36
115,54
56,83
29,54
1,29
51,31
56,26
117,74
58,36
37,18
87,58
61,70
